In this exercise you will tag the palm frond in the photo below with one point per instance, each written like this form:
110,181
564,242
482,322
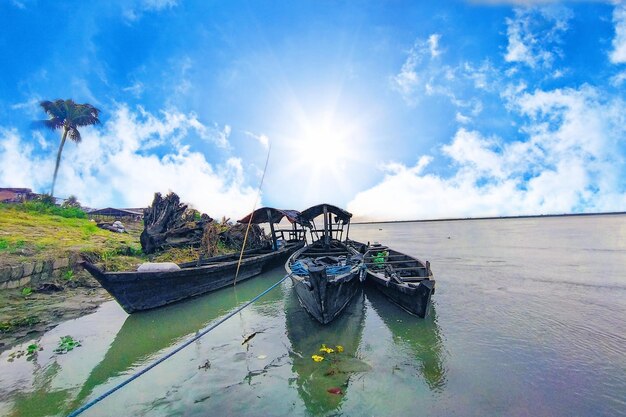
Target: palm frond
55,109
74,135
53,123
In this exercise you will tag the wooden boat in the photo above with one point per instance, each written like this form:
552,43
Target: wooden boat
405,280
325,274
144,290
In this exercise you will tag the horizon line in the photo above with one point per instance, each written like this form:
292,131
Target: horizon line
523,216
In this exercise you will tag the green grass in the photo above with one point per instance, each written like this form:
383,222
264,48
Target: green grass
35,230
45,208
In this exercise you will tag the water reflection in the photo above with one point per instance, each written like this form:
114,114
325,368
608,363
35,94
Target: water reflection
306,335
43,400
421,337
146,333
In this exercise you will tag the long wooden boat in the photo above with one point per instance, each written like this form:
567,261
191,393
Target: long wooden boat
144,290
325,274
404,279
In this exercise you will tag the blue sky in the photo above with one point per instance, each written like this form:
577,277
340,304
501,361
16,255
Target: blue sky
394,110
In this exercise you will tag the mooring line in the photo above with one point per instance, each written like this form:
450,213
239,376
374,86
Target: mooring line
245,237
172,353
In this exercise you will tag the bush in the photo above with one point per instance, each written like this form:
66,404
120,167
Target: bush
44,207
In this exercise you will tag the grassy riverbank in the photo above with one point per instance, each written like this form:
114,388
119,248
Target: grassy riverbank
36,232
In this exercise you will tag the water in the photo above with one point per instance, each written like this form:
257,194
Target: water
528,320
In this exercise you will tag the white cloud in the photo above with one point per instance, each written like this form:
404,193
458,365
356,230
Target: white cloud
114,165
422,74
418,72
459,117
136,89
172,126
158,4
534,35
618,79
18,4
262,139
17,168
571,158
522,2
618,55
133,10
433,45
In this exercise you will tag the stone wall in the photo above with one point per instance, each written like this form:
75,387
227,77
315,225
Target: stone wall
33,273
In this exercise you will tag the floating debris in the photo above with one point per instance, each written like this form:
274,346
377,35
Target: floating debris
317,358
247,339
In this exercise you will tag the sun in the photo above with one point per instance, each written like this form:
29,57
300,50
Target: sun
326,139
324,146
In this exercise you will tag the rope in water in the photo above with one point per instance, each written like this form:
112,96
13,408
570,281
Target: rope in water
245,237
172,353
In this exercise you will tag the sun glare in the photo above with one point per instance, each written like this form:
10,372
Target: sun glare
324,151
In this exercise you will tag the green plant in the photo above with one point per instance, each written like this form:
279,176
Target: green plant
4,244
26,291
68,275
46,207
30,352
107,256
71,201
46,199
66,344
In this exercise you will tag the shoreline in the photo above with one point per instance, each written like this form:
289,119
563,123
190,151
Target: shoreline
48,308
524,216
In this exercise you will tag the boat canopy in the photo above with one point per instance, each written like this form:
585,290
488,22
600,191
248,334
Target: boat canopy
272,215
314,211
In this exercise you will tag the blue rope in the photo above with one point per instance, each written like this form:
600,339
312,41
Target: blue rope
299,268
337,270
172,353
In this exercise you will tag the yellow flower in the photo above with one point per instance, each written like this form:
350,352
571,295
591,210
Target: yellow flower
339,348
317,358
326,349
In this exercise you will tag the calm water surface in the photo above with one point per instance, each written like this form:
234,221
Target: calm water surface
528,320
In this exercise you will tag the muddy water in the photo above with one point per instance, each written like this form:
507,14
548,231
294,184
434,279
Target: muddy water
528,319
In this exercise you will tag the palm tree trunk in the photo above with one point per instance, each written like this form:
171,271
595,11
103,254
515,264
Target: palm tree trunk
56,167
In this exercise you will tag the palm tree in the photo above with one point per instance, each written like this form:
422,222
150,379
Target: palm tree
69,116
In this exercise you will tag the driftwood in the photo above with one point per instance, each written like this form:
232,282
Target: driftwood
168,223
234,236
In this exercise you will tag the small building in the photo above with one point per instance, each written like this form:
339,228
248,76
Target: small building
117,213
16,195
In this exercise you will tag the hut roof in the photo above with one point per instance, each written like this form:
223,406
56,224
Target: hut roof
270,214
116,212
314,211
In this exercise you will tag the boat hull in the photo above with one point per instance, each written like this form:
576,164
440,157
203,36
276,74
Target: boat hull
324,296
137,291
325,299
416,299
403,279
